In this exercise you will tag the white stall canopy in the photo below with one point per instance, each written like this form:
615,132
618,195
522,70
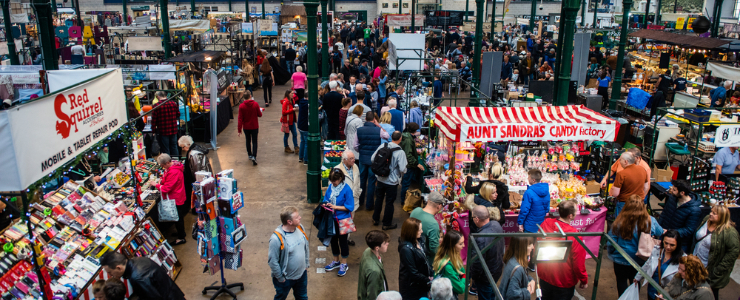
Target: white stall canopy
724,71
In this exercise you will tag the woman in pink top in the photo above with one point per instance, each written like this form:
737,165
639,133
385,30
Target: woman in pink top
376,72
299,80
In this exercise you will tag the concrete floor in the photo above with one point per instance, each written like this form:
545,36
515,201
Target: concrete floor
279,180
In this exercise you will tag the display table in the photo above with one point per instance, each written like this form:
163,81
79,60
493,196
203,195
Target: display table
202,121
593,222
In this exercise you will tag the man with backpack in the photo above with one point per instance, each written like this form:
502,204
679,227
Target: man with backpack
388,165
288,256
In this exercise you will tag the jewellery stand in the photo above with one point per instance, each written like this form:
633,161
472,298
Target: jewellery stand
224,288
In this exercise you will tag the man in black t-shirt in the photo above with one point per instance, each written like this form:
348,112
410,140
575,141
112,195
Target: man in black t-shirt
665,82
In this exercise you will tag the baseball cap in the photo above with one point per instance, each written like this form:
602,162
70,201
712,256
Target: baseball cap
436,198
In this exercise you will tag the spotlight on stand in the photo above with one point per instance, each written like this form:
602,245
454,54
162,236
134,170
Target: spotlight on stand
550,251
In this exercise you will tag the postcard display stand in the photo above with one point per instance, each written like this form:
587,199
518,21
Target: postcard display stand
220,231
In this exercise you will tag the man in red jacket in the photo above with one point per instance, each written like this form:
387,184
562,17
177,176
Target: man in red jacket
249,111
558,280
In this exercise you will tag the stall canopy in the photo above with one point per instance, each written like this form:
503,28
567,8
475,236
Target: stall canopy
679,39
501,124
194,25
723,71
200,56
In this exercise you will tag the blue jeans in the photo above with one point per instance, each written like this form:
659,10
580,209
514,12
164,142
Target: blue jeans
295,137
367,184
618,209
299,286
485,290
290,66
303,152
412,174
168,144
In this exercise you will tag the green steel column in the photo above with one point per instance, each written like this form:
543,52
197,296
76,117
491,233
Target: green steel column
531,18
413,16
596,9
165,28
568,26
617,85
12,53
647,12
325,69
54,6
229,5
583,14
400,5
263,9
125,12
246,8
658,12
493,19
192,8
467,9
42,9
79,16
313,180
477,54
715,20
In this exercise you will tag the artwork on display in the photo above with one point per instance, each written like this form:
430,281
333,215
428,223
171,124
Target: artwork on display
405,5
385,5
395,5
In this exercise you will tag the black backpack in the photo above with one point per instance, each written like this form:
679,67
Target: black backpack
382,163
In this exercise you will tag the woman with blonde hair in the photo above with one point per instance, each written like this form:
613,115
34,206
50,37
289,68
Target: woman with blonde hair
448,262
268,80
632,220
495,203
690,282
247,72
717,246
385,124
515,284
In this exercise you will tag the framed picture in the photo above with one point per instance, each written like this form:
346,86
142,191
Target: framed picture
385,5
395,5
405,5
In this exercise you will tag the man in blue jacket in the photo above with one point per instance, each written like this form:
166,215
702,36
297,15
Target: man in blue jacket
535,204
682,211
369,137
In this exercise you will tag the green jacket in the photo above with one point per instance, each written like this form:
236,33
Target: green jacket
372,280
723,252
409,147
457,279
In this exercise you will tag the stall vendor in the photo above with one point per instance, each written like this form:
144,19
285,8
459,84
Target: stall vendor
726,161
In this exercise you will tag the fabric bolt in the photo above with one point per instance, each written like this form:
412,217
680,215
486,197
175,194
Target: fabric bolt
165,117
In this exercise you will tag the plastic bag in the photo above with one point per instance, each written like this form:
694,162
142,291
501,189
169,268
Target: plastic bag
637,98
168,210
631,293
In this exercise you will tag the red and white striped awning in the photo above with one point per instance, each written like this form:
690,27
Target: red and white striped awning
551,123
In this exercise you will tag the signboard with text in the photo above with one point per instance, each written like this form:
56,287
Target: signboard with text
537,132
65,125
727,136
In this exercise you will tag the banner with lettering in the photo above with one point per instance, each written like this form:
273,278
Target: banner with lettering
537,132
38,137
727,136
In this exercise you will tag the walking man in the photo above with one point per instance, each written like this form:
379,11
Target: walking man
288,256
388,185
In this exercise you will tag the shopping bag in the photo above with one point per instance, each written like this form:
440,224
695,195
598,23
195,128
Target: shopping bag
168,210
413,200
346,226
631,293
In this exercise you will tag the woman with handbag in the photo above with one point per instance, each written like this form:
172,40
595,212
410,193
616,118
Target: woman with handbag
448,262
515,284
690,282
717,246
172,187
339,199
663,262
632,230
288,120
414,272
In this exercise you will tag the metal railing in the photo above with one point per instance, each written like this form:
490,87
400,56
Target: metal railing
475,253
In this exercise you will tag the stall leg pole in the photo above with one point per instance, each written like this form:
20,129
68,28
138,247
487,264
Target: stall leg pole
166,28
617,85
314,162
568,24
12,53
477,52
325,69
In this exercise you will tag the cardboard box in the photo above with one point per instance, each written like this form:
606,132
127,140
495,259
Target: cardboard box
512,95
662,175
593,187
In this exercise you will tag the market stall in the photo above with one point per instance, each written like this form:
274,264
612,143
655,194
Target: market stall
475,139
79,212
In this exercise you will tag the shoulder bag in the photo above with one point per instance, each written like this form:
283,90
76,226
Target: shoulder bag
168,210
646,245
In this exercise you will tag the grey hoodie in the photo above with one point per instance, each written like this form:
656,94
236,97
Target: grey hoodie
282,265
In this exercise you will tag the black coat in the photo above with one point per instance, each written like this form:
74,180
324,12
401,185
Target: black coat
290,54
494,257
150,281
347,72
323,220
414,271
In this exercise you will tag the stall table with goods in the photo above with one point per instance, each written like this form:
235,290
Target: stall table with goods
476,139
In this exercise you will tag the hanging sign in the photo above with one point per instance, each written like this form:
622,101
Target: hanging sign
65,125
680,22
689,23
247,27
727,136
537,132
404,20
